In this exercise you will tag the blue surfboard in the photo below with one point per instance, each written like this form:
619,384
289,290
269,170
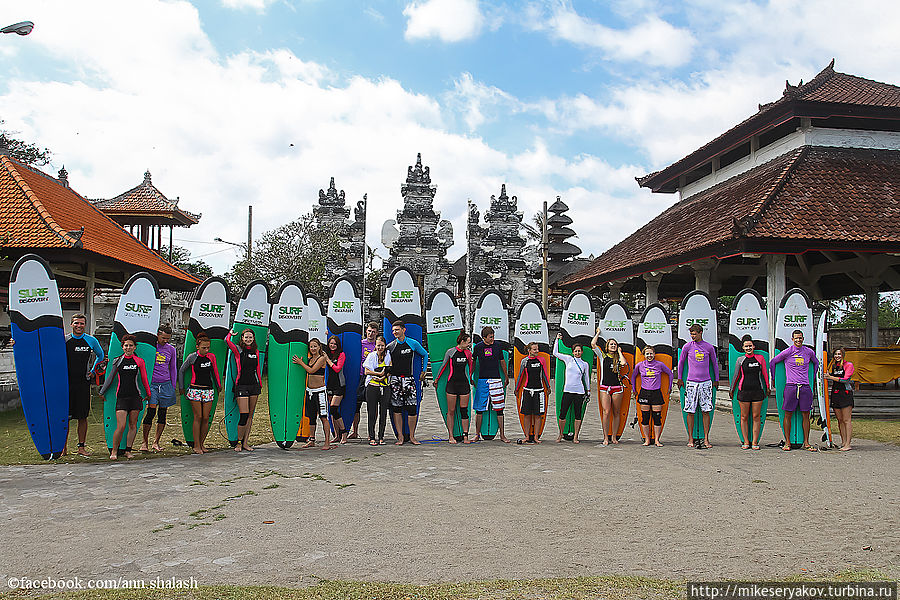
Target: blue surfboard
345,322
403,302
35,315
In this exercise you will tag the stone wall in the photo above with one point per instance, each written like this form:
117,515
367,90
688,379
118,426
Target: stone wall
856,338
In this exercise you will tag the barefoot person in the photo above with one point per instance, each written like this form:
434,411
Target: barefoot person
611,389
201,391
368,346
576,387
491,393
162,387
532,384
798,360
336,386
403,385
247,386
459,360
375,369
650,399
130,376
751,384
316,404
696,357
842,395
79,346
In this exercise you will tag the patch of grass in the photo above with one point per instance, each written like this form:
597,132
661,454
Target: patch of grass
378,454
314,477
883,429
341,486
163,528
351,460
197,482
271,486
760,481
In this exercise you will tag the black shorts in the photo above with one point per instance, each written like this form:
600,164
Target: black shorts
651,397
361,393
533,402
459,388
79,399
129,403
750,395
242,390
312,407
843,399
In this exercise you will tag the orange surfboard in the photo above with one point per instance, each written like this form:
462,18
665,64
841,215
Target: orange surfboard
531,326
615,323
655,330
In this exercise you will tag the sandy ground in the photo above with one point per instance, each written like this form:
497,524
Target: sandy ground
448,513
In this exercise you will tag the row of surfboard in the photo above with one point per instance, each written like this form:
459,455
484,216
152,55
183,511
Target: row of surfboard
284,325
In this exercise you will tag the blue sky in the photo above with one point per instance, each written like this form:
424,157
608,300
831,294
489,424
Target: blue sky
237,102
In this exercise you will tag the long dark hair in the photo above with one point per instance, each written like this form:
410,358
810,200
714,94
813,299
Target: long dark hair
252,345
337,352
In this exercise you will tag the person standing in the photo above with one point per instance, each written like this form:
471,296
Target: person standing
751,384
130,375
248,384
842,395
798,360
336,386
375,369
368,346
459,360
612,388
492,373
576,387
162,387
201,391
532,384
697,356
316,404
79,347
650,399
403,385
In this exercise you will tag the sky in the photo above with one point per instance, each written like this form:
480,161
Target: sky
230,103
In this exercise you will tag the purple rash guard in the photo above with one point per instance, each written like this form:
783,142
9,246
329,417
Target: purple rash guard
164,368
650,373
796,364
367,348
698,356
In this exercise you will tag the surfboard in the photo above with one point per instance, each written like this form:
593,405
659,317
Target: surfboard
252,313
444,324
287,381
403,302
36,323
211,314
748,317
697,308
138,313
490,311
531,326
616,324
345,322
316,329
794,312
577,325
821,383
655,329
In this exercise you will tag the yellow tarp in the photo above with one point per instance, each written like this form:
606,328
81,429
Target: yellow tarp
875,365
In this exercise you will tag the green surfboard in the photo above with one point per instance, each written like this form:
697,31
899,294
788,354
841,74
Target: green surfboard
748,317
794,312
697,308
211,314
443,323
578,324
288,337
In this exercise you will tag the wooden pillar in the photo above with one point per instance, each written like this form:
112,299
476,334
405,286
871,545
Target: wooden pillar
615,290
89,298
652,285
775,289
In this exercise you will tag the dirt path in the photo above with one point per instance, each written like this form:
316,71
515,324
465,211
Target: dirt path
445,513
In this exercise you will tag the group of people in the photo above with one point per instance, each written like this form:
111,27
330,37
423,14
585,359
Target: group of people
387,384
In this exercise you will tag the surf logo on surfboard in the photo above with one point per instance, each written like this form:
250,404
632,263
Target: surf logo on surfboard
141,311
402,296
746,323
616,325
211,311
576,318
34,295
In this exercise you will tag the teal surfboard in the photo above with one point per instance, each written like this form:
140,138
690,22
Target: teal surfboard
443,323
211,314
748,317
697,308
138,314
252,313
490,311
287,381
794,312
577,325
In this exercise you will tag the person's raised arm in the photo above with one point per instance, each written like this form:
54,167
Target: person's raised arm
556,351
594,339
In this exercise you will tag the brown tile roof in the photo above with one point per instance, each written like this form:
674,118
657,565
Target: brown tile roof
37,211
145,199
827,87
838,198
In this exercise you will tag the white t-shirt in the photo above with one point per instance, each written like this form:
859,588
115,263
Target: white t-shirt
373,364
576,371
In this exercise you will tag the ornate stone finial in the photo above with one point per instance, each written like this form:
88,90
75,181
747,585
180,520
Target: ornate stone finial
147,176
332,197
4,146
503,190
359,214
64,176
418,174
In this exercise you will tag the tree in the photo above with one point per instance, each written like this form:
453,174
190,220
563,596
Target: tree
534,231
296,251
30,154
851,312
181,258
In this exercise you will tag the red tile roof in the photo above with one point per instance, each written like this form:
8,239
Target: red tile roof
38,212
814,197
146,199
827,87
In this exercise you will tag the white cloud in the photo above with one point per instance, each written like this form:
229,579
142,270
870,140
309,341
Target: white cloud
652,41
446,20
473,99
257,5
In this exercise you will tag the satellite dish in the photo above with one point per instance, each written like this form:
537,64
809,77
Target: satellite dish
23,28
389,233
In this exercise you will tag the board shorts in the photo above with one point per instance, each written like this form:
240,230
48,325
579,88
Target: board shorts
533,402
242,390
162,394
316,405
79,399
611,389
335,389
698,393
458,389
361,393
403,392
751,395
651,397
490,391
572,401
196,394
129,403
842,399
797,397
